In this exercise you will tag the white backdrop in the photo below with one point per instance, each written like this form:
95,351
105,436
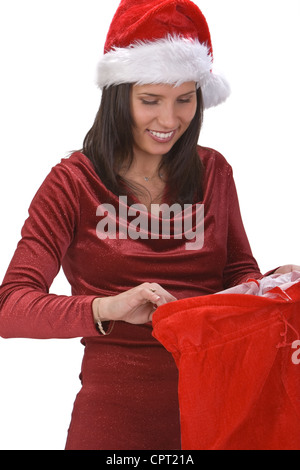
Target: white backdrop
49,52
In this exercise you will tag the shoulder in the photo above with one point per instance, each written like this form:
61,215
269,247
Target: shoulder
218,175
76,172
76,165
214,161
73,179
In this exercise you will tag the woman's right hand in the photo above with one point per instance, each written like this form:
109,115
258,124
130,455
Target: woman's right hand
135,306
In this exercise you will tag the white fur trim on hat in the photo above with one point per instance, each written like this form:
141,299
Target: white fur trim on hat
173,60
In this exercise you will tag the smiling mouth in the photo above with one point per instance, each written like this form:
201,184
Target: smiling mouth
162,136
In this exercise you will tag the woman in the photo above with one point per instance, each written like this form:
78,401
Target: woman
156,76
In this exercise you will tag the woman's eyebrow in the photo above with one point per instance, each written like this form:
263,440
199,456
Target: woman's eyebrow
188,93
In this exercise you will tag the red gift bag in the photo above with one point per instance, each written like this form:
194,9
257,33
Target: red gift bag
238,358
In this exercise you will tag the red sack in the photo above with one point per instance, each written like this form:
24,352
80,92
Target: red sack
238,358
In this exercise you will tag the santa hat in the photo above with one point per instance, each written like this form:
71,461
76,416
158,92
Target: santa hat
161,41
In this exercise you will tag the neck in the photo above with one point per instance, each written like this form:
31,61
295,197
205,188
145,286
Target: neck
145,180
146,166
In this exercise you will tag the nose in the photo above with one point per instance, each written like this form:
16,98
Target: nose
167,117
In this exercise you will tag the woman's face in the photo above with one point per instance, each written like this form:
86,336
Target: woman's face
161,114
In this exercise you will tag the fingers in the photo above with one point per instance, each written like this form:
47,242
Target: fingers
156,294
287,269
148,293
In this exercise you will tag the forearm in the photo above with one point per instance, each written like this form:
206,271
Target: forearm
28,313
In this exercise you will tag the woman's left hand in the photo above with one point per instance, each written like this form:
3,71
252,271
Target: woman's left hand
287,269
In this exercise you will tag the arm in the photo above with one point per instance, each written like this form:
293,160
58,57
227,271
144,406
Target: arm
26,307
241,264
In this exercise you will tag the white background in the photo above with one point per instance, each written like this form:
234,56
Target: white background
48,101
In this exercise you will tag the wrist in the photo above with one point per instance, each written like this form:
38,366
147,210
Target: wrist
99,307
100,315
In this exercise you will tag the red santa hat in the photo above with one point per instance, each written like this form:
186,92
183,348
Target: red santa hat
161,41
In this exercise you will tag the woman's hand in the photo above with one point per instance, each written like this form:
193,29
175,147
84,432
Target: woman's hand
134,306
287,269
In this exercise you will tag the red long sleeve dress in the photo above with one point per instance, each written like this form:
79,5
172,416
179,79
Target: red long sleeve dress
128,398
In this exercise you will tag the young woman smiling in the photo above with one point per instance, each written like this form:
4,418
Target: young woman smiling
129,156
161,115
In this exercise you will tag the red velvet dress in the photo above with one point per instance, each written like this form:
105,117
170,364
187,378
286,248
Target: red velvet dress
129,396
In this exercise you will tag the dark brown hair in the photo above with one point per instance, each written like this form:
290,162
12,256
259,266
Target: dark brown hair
109,144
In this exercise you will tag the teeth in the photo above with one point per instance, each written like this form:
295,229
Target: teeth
161,135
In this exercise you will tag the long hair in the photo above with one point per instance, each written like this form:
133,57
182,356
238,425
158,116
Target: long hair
109,144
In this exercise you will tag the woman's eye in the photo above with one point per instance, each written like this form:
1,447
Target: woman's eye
185,101
155,102
149,102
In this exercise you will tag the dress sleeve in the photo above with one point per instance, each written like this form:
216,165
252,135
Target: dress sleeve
27,309
240,265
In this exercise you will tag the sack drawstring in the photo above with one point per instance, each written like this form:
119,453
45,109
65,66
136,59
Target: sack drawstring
287,325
